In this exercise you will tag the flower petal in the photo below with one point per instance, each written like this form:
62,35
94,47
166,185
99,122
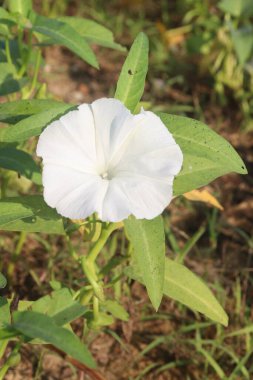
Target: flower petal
151,151
115,205
108,113
74,195
70,141
144,198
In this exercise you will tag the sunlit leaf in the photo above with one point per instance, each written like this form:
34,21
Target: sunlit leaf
203,196
92,32
12,112
184,286
148,241
207,155
131,81
60,306
32,125
64,34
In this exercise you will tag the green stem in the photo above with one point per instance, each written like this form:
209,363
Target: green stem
95,308
4,184
98,246
8,51
3,345
36,73
88,262
21,241
24,66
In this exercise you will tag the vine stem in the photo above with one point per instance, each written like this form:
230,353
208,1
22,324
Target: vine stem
98,246
89,265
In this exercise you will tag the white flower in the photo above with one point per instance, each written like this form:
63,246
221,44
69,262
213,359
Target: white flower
101,158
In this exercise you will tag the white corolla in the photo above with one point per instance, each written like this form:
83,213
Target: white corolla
101,158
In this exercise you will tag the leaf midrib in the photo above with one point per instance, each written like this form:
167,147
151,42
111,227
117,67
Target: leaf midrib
187,290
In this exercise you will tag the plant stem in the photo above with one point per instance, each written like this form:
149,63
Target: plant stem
98,246
88,262
95,308
7,51
36,73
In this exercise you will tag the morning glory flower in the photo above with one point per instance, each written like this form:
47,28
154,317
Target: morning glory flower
101,158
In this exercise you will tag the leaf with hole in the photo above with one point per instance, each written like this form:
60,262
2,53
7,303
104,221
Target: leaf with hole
131,81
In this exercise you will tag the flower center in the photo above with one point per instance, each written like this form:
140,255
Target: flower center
104,175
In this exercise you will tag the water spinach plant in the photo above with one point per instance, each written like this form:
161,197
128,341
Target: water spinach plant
141,160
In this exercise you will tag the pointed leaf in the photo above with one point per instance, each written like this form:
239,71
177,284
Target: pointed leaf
30,214
206,154
60,306
147,238
131,81
243,43
32,125
92,32
19,161
12,112
36,325
64,34
184,286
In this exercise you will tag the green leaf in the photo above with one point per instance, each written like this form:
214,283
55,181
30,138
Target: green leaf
30,214
20,6
184,286
8,83
243,43
92,32
131,81
116,310
206,154
19,161
12,112
237,8
6,21
36,325
3,281
5,315
147,238
32,125
64,34
60,306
